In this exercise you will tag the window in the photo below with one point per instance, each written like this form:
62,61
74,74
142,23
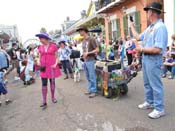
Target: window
126,21
129,29
115,28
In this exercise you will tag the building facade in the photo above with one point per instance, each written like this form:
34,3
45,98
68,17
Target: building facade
11,30
117,13
67,24
89,19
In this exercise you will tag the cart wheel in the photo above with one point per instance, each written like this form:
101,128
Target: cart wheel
100,87
108,93
101,91
116,92
124,89
134,74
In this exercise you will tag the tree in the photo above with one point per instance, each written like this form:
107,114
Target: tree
43,30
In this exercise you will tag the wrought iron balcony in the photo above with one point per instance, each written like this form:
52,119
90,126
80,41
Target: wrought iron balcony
102,3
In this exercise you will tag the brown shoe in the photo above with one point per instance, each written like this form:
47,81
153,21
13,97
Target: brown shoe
92,95
87,93
8,102
66,78
72,76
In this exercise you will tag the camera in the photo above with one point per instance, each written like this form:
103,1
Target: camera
131,18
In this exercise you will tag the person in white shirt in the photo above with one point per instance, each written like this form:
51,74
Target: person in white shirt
64,55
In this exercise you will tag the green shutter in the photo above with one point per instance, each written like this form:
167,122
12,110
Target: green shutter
109,30
118,28
137,21
125,25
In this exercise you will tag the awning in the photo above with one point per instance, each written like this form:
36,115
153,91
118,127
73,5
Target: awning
88,19
96,30
72,28
80,23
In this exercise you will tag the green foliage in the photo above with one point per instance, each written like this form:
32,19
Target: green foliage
43,30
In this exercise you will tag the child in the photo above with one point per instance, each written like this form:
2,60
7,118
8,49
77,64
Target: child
22,70
169,65
166,55
36,68
29,68
110,51
3,89
137,61
121,53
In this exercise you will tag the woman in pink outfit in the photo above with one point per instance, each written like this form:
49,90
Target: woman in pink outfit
49,70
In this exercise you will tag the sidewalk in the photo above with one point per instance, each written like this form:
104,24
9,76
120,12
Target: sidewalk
76,112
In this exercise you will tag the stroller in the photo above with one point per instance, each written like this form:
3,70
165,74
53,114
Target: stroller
23,74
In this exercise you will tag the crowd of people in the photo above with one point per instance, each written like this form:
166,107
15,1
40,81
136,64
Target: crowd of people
26,63
23,63
48,58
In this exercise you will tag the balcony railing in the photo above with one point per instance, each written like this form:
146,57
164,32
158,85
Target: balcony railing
102,3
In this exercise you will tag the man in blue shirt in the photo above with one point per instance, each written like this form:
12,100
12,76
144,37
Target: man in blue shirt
154,42
169,65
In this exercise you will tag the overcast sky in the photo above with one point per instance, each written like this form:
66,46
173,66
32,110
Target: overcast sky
31,15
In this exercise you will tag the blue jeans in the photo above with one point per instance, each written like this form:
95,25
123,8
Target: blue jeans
91,76
66,66
122,61
103,56
154,93
169,68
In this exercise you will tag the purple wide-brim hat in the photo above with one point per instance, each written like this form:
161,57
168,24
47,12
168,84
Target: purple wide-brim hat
43,35
62,41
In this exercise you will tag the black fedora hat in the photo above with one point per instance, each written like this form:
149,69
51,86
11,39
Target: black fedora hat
83,29
156,6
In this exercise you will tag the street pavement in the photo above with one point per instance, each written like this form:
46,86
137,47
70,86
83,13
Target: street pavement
76,112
